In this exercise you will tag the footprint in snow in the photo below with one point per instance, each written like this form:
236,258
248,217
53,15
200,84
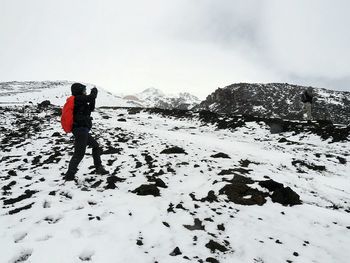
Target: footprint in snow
18,237
86,255
44,238
76,232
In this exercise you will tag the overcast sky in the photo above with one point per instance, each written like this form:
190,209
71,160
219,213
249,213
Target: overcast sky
178,45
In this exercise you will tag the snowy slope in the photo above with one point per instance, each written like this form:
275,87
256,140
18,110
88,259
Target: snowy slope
55,91
155,98
197,207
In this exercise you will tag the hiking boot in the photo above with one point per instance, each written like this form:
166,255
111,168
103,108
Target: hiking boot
101,171
69,176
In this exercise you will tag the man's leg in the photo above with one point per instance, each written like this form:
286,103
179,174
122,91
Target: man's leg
308,111
80,142
96,151
96,154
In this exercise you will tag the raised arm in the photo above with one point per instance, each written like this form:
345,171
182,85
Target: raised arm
88,98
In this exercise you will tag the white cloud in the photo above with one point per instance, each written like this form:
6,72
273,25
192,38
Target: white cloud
183,45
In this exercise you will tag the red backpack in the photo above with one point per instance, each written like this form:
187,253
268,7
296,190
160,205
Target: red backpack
67,115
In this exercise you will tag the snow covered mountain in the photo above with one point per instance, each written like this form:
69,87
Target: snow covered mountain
278,100
183,187
56,92
155,98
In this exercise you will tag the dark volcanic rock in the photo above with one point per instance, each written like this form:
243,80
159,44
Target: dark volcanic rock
17,210
160,183
271,185
234,171
211,197
197,225
242,194
212,260
176,252
147,189
246,162
213,246
8,186
286,196
27,194
239,179
220,155
314,167
341,160
173,150
111,180
44,104
12,173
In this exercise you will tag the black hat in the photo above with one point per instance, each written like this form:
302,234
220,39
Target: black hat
77,89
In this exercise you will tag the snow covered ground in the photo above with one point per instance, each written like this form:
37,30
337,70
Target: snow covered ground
157,207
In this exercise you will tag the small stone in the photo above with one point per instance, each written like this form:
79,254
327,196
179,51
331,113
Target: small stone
173,150
221,155
176,252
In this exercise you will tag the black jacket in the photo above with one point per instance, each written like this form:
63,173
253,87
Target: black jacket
83,106
306,97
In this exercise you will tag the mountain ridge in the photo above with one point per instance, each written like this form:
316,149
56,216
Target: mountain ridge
155,98
277,100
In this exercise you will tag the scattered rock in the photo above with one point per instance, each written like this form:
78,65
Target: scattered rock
212,260
271,185
176,252
221,227
213,246
17,210
197,225
44,104
341,160
221,155
314,167
240,193
160,183
246,162
56,134
234,171
211,197
8,186
27,194
282,140
12,173
147,189
171,208
173,150
286,196
112,180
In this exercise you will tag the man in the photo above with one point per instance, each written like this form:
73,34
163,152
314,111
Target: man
83,106
306,98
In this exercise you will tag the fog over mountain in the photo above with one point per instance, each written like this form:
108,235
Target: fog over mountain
176,46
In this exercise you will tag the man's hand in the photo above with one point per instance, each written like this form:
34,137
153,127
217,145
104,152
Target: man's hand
94,91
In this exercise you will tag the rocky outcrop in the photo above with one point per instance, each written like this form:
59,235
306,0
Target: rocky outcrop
278,100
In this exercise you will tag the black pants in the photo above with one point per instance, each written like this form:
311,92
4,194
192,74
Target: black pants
82,140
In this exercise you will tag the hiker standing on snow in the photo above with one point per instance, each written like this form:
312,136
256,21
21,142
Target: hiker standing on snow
83,106
306,98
